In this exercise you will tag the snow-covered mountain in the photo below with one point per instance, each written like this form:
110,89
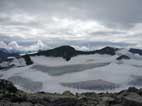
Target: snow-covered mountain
5,53
15,61
13,45
65,68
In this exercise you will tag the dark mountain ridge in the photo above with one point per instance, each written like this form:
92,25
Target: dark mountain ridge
135,51
67,52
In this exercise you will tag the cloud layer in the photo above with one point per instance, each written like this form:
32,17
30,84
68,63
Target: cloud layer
76,22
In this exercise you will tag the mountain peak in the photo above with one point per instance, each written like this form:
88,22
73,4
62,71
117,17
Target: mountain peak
64,51
107,50
135,51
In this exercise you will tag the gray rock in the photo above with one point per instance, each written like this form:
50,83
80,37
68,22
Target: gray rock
132,99
107,99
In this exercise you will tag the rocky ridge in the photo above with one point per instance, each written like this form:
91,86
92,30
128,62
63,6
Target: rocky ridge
67,52
11,96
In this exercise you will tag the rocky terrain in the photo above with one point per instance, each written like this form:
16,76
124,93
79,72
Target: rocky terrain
11,96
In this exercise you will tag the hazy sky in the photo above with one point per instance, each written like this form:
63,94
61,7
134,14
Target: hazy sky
75,22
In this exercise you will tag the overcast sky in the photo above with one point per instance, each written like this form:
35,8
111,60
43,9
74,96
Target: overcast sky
76,22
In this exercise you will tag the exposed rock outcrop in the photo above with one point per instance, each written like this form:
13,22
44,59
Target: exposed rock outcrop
27,59
7,86
123,57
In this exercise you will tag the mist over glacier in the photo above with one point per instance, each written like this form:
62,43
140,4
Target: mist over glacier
52,73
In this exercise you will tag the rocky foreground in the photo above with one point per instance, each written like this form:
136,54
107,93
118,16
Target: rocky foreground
11,96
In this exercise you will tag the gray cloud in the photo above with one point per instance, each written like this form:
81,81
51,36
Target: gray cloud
115,33
113,11
4,37
113,22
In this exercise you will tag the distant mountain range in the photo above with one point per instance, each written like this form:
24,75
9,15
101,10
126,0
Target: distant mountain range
6,53
12,57
108,68
136,51
66,52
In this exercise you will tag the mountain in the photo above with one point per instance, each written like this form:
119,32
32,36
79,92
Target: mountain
5,53
107,50
13,59
64,51
108,68
136,51
67,52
